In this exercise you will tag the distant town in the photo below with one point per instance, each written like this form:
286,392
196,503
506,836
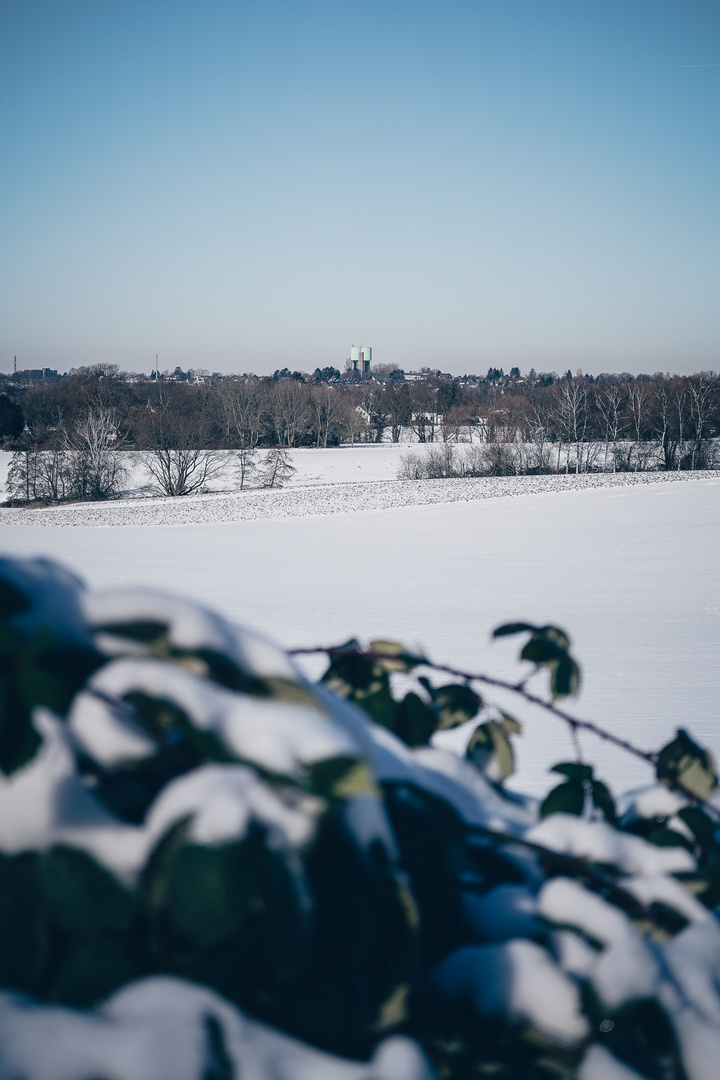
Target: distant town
366,402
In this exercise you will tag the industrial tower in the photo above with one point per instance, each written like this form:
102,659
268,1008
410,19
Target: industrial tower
361,358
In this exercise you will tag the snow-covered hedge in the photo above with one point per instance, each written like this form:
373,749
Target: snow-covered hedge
212,868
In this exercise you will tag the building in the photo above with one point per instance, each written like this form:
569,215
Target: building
361,358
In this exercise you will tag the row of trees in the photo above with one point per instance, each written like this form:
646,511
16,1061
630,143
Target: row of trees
576,422
88,465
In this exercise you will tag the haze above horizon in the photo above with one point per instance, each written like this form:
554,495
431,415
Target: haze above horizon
249,186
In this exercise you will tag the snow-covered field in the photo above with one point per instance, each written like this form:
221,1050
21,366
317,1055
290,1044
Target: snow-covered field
343,496
365,463
631,571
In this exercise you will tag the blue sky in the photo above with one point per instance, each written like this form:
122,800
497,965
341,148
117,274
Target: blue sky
248,185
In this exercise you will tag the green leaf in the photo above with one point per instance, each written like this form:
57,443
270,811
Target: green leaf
397,657
348,665
548,647
662,836
218,1064
503,751
565,678
13,600
38,673
541,650
457,704
554,633
89,970
685,765
23,931
574,770
509,725
340,778
700,823
491,751
82,896
19,741
415,721
513,628
170,725
567,798
378,703
603,800
234,916
206,889
145,631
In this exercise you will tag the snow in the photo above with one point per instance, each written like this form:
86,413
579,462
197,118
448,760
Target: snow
280,736
587,937
600,843
652,801
631,571
220,801
600,1064
625,969
44,804
367,463
450,778
323,499
506,911
657,888
519,980
693,958
160,1027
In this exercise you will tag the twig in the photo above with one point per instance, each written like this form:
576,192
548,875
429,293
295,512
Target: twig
574,722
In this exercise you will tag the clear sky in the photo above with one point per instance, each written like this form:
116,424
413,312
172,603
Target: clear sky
242,185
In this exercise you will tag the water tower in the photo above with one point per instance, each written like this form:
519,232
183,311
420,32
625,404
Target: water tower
361,358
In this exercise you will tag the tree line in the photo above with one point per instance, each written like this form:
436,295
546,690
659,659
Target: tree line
535,423
293,409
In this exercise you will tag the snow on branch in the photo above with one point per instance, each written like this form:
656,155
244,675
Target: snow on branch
212,867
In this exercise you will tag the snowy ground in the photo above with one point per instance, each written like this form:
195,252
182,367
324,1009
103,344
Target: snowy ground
322,498
366,463
631,571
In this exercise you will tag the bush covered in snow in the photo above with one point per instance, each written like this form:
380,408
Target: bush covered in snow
212,868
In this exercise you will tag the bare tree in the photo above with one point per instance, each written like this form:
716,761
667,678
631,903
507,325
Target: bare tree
329,413
638,402
440,461
701,392
681,398
246,465
177,434
277,468
571,418
395,402
86,465
539,453
356,420
609,402
183,471
242,405
423,397
665,425
95,461
39,476
290,408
